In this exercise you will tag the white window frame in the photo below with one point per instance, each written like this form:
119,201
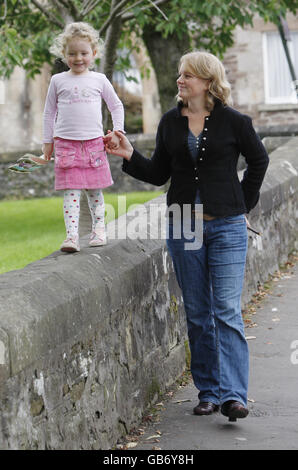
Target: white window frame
291,98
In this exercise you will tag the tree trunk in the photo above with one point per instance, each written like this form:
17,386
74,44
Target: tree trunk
165,54
110,48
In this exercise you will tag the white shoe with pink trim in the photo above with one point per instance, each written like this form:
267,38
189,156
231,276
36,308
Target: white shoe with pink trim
70,245
98,238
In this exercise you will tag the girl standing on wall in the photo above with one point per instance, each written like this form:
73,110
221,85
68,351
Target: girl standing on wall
73,125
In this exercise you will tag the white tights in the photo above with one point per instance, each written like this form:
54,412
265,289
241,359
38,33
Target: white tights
71,207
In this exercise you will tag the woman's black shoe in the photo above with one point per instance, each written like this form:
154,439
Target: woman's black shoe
234,409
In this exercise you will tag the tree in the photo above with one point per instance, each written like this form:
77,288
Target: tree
168,27
28,26
206,25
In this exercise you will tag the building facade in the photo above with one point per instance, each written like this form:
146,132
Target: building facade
259,74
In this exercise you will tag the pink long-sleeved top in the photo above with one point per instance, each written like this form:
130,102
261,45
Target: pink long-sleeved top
73,106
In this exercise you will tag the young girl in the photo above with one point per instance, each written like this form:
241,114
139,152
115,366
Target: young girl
73,123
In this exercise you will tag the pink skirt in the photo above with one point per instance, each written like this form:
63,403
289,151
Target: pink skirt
81,164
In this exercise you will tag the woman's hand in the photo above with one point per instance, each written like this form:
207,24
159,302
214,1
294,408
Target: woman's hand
249,227
124,150
47,150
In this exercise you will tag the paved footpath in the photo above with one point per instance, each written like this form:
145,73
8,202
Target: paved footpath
272,423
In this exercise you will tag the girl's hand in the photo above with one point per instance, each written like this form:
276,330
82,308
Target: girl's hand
114,141
124,150
47,150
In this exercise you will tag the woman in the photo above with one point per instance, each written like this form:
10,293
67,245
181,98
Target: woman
198,144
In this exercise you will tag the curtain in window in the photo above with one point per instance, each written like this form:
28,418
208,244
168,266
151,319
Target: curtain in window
278,80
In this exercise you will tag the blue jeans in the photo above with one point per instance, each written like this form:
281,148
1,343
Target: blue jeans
211,280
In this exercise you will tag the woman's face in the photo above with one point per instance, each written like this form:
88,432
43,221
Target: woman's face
191,86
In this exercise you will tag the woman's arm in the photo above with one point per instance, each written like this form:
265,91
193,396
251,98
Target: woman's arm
257,161
155,170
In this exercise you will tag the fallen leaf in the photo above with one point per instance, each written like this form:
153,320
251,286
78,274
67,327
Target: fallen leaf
147,418
130,445
156,448
131,438
152,437
251,400
275,319
250,337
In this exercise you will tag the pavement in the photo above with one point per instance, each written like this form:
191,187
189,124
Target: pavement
272,423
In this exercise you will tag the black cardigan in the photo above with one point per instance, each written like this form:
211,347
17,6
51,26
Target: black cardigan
226,134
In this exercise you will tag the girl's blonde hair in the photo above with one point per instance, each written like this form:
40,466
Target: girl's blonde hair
76,30
207,66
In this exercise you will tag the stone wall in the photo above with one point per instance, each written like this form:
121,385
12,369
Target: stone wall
275,216
22,110
87,341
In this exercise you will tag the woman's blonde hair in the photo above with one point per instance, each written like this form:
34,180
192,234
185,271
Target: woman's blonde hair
209,67
76,30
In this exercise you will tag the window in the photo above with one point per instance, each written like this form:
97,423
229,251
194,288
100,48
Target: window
278,81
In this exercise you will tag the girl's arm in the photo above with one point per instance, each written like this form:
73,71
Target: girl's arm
114,105
49,114
47,150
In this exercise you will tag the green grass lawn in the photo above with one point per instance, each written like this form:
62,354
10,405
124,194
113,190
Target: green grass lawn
32,229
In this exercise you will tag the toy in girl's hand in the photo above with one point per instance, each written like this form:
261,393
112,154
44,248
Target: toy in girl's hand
28,163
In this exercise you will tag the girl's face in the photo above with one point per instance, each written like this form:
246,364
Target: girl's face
79,55
189,85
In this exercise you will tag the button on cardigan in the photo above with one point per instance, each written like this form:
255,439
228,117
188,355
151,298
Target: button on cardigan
226,134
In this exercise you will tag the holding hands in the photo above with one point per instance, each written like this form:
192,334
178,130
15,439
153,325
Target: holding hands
117,143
